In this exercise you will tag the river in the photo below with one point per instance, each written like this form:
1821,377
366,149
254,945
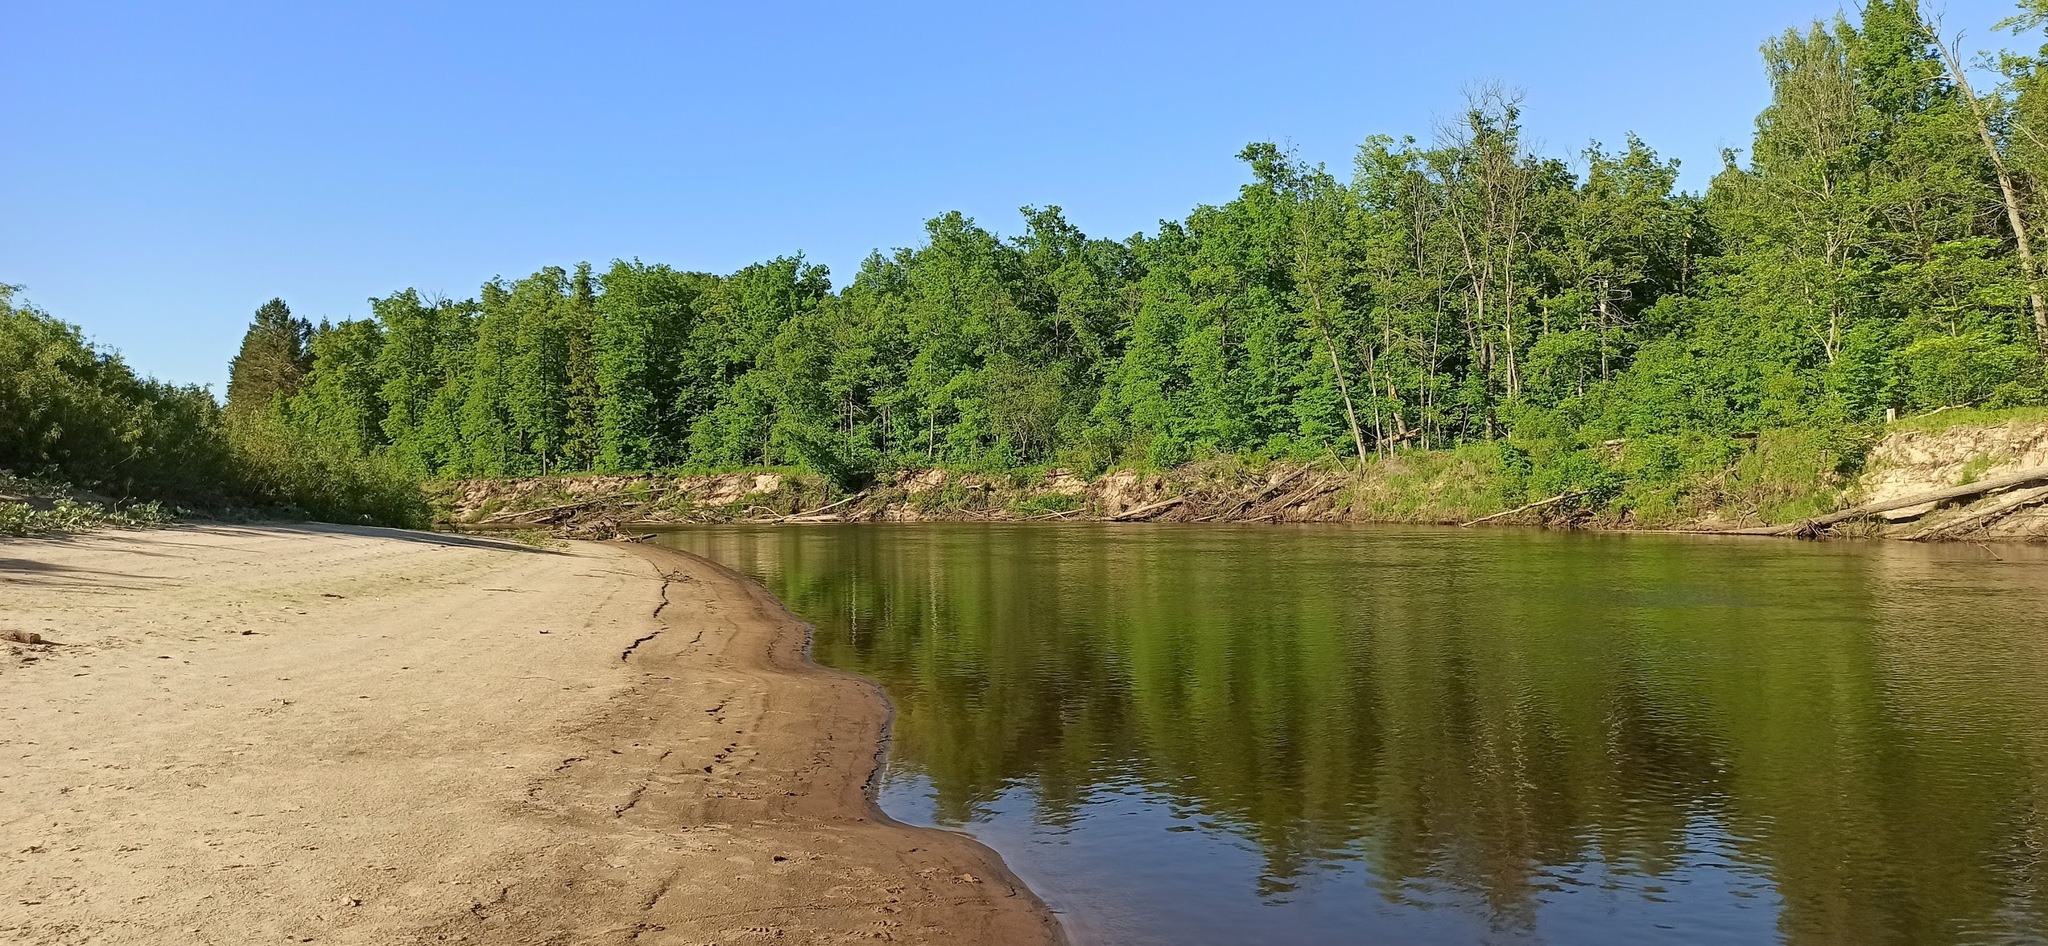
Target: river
1188,735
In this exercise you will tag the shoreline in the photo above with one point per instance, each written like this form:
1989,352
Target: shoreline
1963,485
1018,915
348,735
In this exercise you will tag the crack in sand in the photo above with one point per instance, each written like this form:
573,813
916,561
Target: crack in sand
667,883
667,578
631,801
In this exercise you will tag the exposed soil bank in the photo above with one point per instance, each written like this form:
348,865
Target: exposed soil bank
1466,485
295,734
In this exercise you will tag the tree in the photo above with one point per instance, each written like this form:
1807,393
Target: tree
273,360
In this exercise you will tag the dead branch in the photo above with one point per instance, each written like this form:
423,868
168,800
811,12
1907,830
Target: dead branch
1561,497
523,513
1142,512
807,516
1979,518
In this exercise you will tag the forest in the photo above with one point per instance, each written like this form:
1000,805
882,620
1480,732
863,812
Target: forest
1872,254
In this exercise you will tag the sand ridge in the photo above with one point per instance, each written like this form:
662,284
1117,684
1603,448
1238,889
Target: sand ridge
322,734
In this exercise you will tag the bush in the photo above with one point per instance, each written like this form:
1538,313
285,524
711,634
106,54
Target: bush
1949,371
286,467
72,412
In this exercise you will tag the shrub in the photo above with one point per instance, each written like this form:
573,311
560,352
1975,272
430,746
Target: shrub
281,466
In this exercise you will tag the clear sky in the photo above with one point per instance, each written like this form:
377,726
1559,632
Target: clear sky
165,168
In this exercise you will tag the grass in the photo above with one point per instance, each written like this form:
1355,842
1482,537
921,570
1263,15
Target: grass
1455,485
535,539
1934,422
1975,469
1044,504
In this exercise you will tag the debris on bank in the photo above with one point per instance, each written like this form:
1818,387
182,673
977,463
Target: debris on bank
1966,482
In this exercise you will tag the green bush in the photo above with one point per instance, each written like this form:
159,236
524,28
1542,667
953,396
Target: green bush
1961,370
282,466
71,412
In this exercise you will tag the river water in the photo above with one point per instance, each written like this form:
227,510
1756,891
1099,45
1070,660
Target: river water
1227,735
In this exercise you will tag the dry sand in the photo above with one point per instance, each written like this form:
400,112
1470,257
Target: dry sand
327,735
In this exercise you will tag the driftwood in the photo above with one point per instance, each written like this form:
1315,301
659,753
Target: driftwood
1979,518
812,516
1142,512
1966,491
1313,491
1243,506
523,513
1561,497
1274,490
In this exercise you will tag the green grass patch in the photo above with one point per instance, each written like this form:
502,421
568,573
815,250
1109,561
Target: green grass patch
1972,417
1044,504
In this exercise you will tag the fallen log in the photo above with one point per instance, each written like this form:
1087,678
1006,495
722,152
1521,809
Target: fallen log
1142,512
2008,481
1561,497
1979,518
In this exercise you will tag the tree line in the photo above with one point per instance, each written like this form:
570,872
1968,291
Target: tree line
74,415
1873,252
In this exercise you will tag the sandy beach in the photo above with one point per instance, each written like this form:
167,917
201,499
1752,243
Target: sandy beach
311,734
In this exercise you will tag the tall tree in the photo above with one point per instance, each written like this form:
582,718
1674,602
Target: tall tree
273,360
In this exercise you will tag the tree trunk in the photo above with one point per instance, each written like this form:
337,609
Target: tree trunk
1350,413
2007,191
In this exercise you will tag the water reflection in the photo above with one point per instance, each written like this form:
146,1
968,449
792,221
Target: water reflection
1223,735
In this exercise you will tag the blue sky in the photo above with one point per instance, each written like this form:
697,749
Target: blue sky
164,171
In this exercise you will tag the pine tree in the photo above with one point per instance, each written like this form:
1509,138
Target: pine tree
273,361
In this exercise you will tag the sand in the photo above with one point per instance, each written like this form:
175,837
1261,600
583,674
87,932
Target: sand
329,735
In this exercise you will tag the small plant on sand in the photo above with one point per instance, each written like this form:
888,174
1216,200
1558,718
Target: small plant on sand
536,539
33,507
1975,469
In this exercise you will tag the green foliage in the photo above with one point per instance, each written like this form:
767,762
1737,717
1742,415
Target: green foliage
1044,504
1974,417
273,360
302,473
74,413
1466,292
29,507
79,414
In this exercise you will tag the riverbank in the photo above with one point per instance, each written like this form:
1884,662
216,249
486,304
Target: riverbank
1789,481
320,734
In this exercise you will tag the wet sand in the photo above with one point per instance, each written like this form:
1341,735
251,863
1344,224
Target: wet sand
330,735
